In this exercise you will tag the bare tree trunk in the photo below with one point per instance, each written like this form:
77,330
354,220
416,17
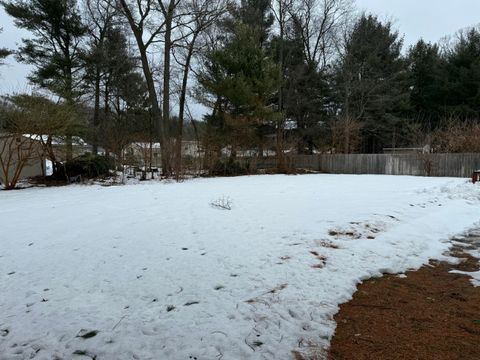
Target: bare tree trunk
280,14
181,114
96,113
167,52
137,29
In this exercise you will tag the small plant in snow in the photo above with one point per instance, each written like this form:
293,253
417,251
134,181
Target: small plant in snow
223,203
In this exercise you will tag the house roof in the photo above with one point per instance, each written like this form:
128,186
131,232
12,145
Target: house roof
56,140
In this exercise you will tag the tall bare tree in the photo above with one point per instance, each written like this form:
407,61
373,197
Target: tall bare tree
281,10
200,16
100,15
319,23
147,24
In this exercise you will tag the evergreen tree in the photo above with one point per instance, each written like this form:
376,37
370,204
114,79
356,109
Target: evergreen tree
427,83
306,93
254,13
463,76
371,81
241,79
54,50
4,52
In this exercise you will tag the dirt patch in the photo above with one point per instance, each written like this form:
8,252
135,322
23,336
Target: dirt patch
430,314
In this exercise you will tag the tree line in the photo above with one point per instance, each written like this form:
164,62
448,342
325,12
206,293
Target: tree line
277,76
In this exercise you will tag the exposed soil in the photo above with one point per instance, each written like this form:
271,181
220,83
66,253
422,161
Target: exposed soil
430,314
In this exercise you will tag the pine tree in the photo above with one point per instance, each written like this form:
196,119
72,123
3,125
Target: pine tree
4,52
306,92
427,83
257,15
463,76
54,50
242,80
371,81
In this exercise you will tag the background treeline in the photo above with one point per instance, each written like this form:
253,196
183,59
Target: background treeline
277,77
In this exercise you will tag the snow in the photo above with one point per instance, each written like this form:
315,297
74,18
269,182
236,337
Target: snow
475,253
56,140
159,273
475,276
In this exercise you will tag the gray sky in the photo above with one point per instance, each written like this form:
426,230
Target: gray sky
429,19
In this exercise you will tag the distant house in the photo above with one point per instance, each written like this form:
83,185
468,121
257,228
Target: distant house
140,152
31,148
79,146
192,148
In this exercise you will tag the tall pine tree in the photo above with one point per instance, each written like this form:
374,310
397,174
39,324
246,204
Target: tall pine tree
54,51
463,76
427,83
371,81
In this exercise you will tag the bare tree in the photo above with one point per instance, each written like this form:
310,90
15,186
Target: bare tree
281,10
201,15
457,136
44,120
319,23
147,24
100,16
346,134
16,153
28,124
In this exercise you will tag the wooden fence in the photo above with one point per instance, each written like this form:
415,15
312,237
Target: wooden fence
453,165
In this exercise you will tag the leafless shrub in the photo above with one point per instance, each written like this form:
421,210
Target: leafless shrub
458,137
16,153
222,203
346,134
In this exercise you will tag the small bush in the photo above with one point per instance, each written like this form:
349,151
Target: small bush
229,167
223,203
89,166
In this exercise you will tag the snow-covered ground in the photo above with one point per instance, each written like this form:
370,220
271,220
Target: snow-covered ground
153,271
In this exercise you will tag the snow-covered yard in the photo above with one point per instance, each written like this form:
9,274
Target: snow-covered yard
153,271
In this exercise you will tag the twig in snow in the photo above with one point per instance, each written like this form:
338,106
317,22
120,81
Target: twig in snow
119,321
250,346
223,203
219,332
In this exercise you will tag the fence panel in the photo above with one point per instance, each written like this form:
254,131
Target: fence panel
453,165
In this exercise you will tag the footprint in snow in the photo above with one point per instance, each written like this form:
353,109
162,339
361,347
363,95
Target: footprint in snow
87,334
191,303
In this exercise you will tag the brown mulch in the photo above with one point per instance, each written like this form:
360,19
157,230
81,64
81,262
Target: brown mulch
431,314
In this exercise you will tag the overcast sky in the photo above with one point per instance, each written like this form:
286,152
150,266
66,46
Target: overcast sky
427,19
